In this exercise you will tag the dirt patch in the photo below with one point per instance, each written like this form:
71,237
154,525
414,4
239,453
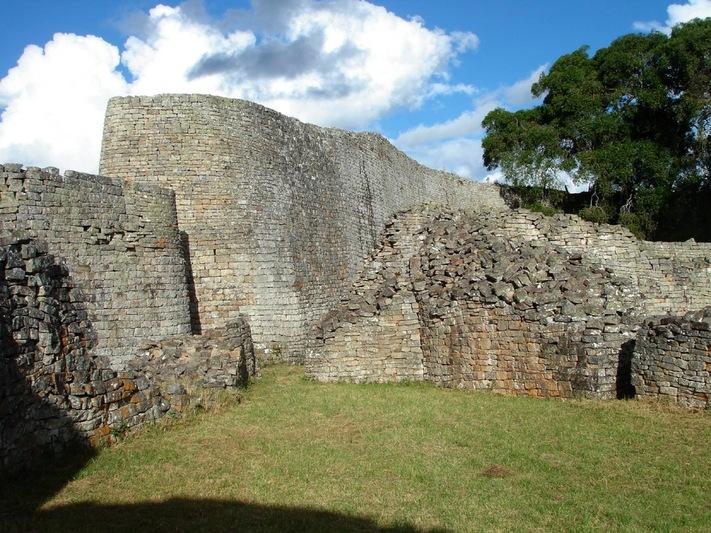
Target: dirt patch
497,471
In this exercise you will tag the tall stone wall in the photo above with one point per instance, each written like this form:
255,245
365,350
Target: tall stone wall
278,214
121,244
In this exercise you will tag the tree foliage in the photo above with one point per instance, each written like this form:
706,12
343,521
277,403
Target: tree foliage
633,120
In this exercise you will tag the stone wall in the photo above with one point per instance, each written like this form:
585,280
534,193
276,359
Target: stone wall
278,214
672,359
122,245
497,303
54,392
669,276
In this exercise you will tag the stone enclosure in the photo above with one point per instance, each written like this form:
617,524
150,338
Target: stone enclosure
277,214
228,233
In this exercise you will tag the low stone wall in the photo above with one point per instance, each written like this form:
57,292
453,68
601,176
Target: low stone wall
672,359
55,391
671,277
444,298
222,358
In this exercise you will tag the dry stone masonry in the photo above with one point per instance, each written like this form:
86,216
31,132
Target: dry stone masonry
500,302
125,298
277,214
672,359
55,390
122,245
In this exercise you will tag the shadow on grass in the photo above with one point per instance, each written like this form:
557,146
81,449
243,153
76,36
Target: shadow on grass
192,515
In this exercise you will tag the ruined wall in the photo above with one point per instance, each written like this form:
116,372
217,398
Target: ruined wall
669,276
122,246
55,392
490,313
672,359
502,305
278,214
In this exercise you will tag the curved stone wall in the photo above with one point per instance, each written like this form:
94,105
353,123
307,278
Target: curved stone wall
122,245
278,214
672,359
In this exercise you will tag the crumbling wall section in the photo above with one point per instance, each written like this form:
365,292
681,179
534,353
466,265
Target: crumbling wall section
374,335
278,214
672,359
491,313
504,305
55,392
669,276
122,244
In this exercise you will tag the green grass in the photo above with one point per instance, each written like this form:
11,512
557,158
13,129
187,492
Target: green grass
297,455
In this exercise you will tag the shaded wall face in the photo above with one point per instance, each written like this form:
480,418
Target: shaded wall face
121,243
53,392
56,394
279,214
672,359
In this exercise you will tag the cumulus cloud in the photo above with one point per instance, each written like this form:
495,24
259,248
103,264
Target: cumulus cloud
340,63
676,14
455,145
54,101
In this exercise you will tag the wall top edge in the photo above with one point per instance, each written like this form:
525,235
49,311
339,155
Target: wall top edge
53,174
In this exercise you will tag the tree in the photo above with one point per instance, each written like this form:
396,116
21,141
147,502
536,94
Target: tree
633,120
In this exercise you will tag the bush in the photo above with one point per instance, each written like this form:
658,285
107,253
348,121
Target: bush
540,207
636,224
595,214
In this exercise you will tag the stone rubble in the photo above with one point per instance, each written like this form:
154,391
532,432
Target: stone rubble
462,300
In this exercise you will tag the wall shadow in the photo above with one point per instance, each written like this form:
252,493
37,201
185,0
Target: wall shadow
195,325
623,382
194,515
37,435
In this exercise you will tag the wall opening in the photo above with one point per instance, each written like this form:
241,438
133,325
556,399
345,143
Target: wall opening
195,325
623,383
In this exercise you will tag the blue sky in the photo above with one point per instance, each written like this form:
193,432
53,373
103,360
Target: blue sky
422,72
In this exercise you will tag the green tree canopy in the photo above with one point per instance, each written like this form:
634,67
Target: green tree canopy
633,120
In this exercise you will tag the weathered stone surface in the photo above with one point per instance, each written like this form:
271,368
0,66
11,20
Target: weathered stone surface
55,389
120,241
505,302
672,359
278,214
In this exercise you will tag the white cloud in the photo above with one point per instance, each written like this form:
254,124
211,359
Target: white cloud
519,93
455,145
54,102
676,14
340,63
466,124
462,155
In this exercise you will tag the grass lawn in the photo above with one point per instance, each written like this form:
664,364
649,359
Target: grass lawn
297,455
